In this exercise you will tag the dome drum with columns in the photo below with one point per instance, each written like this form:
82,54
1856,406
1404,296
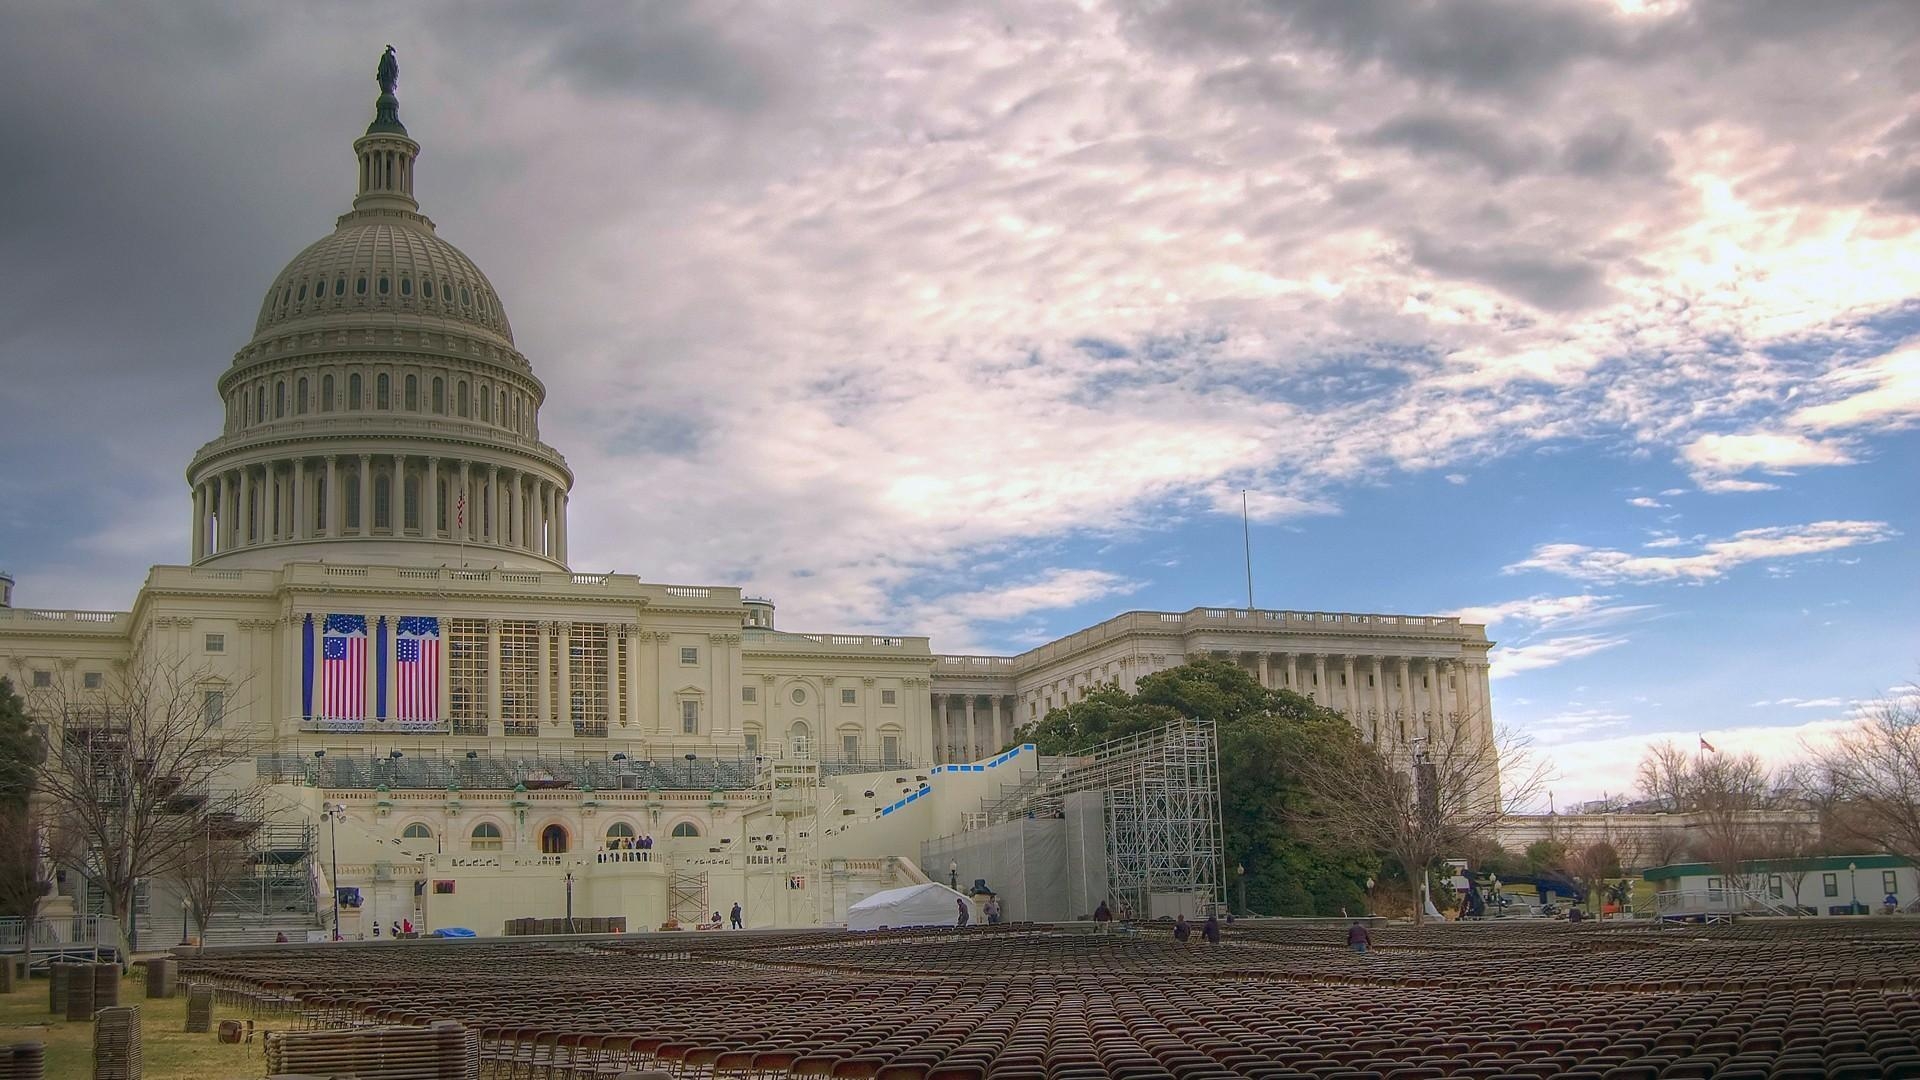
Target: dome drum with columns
381,403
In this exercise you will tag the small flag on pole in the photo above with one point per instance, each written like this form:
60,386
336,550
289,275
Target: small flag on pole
1707,746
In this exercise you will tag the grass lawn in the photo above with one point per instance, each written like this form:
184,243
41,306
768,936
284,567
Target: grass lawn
169,1052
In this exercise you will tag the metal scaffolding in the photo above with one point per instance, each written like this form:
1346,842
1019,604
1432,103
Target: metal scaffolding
1162,796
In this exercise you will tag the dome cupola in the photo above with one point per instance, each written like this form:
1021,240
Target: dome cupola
381,412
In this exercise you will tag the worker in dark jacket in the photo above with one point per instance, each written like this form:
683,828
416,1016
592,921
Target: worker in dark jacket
1359,938
1210,930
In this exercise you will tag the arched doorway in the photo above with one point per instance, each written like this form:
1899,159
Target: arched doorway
553,840
798,740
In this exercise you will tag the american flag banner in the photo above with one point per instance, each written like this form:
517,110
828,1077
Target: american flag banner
417,660
343,668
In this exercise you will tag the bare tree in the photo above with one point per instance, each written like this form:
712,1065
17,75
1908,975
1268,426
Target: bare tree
134,769
1869,778
1447,791
1590,866
1720,792
30,850
223,856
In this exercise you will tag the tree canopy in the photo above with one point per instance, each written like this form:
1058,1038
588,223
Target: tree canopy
1263,736
20,750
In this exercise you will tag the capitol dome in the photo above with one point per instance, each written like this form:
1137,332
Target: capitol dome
381,412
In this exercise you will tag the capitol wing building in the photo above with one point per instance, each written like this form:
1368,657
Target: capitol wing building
379,599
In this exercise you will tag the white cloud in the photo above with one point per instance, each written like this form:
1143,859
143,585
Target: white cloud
1505,662
1715,558
1456,478
1803,703
1891,400
954,618
1717,459
1646,502
1541,610
1574,723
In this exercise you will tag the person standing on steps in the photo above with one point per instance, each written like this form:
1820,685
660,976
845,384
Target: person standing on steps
737,924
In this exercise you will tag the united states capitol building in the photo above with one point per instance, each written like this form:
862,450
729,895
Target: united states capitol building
378,596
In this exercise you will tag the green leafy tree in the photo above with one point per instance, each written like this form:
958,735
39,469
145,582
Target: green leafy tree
1545,856
20,749
1263,735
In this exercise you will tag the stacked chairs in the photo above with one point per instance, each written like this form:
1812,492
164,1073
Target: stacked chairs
23,1061
1024,1003
441,1051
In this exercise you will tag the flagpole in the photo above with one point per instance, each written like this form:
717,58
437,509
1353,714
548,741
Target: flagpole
1246,540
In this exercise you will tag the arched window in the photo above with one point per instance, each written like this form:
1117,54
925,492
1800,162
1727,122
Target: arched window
259,404
799,738
553,840
446,291
382,502
413,394
360,286
439,395
460,397
340,285
416,831
617,832
412,503
486,403
383,285
279,398
516,412
326,393
686,829
503,406
426,288
382,397
486,837
351,492
406,286
303,294
353,391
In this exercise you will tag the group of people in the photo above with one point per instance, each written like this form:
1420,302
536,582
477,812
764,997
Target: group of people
990,911
1183,930
630,843
401,928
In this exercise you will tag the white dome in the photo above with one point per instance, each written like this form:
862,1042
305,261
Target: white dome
376,264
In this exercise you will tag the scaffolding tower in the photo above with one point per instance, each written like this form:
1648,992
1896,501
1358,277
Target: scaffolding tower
786,859
1162,797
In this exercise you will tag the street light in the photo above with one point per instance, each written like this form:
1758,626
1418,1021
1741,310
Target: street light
1240,881
953,875
569,901
690,758
331,813
1853,890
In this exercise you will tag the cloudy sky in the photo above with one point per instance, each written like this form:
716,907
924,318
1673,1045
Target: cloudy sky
1596,321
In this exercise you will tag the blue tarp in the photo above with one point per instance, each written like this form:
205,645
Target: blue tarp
454,931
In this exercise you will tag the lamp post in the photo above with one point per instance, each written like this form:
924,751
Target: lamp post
331,813
1853,890
569,901
953,875
1240,887
690,758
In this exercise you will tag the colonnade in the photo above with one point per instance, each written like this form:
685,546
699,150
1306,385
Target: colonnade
967,727
341,496
1390,699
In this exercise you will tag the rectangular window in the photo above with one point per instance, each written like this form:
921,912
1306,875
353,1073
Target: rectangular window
42,679
889,697
850,747
213,707
846,697
93,680
216,643
753,743
587,679
1775,887
467,675
520,677
890,749
1830,884
689,656
690,718
1889,883
749,694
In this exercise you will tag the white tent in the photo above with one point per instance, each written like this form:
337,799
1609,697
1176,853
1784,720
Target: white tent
931,904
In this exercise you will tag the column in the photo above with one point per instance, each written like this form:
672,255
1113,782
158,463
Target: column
1293,674
973,730
492,709
937,738
631,681
616,634
545,690
397,500
542,508
1405,708
246,504
300,498
330,499
560,521
566,680
491,531
430,496
366,494
1321,691
999,738
1379,678
507,508
199,522
1266,676
1352,695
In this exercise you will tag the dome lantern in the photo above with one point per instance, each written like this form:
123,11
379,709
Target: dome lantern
386,153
